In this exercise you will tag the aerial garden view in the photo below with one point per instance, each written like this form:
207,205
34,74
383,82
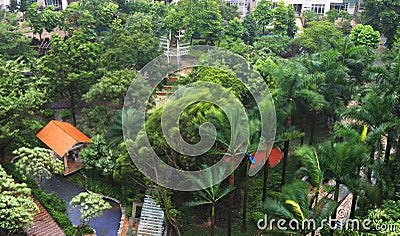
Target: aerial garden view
199,117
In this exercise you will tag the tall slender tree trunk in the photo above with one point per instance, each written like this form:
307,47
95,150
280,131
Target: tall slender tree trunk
313,120
72,106
284,161
171,220
285,152
212,219
231,202
245,196
388,148
303,128
2,155
265,182
371,162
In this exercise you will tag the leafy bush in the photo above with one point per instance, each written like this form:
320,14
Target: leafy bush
98,156
365,35
85,230
311,16
65,114
256,216
332,15
91,205
17,208
55,206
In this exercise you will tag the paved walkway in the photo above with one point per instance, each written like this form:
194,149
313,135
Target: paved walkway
44,225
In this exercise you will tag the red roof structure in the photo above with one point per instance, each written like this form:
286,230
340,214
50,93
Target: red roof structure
273,159
61,136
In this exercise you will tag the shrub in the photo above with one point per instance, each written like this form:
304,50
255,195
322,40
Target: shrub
256,216
54,205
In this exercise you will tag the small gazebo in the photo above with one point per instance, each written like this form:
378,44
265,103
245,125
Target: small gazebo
66,141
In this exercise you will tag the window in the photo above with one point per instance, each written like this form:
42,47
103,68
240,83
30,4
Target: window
340,6
297,8
55,3
318,8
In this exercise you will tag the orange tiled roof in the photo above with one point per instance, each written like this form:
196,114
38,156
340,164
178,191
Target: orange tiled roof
43,224
61,136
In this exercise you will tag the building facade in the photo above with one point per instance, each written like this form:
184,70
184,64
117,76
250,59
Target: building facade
58,4
323,6
319,6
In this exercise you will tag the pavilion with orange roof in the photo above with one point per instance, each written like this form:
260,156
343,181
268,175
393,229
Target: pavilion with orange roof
66,141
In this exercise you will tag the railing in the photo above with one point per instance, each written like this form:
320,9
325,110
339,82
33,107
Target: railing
151,218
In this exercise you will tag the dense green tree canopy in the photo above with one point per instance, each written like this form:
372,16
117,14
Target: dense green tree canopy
284,19
71,67
47,19
235,29
203,17
277,44
22,94
105,99
98,156
129,44
319,36
365,35
383,16
263,13
13,43
251,27
310,16
17,207
78,18
91,205
37,163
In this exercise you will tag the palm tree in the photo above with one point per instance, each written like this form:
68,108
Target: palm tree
356,58
296,89
255,126
332,79
211,196
133,120
310,166
342,161
230,131
386,78
373,111
294,205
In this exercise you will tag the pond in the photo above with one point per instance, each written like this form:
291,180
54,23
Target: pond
105,225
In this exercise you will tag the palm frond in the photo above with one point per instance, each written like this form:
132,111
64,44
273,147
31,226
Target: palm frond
275,208
296,208
309,160
197,203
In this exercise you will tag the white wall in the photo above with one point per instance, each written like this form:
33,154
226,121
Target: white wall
4,4
306,4
64,4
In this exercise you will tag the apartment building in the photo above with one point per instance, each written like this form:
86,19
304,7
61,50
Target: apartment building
323,6
58,4
319,6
